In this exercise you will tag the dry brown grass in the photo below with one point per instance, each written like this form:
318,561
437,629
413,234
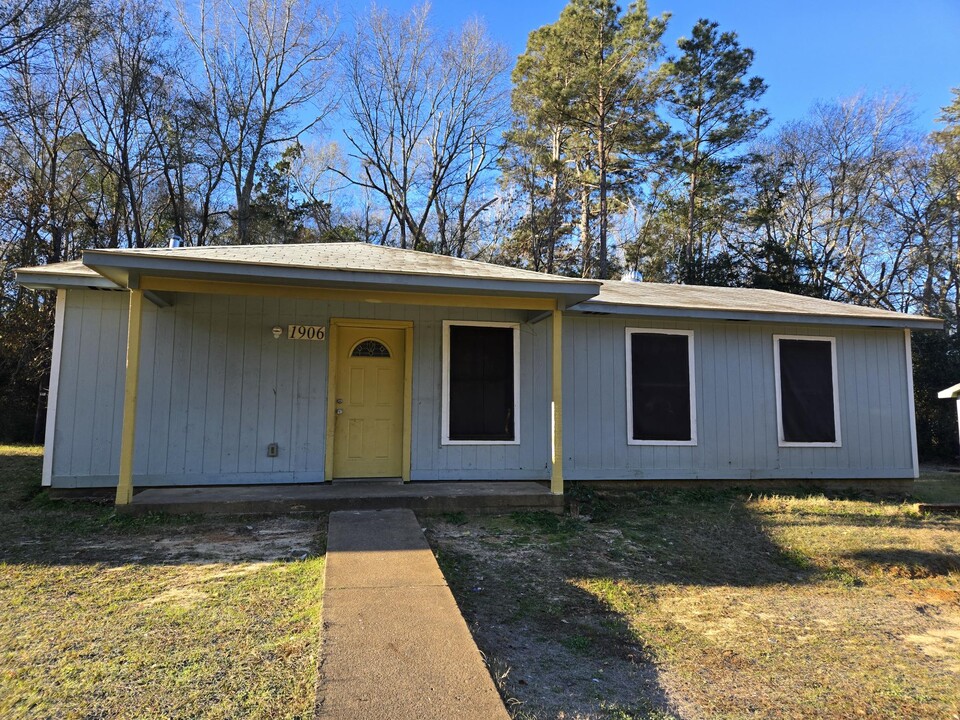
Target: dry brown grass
716,605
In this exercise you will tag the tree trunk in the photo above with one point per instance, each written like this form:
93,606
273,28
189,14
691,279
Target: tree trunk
689,276
602,167
243,220
552,223
244,195
585,243
553,216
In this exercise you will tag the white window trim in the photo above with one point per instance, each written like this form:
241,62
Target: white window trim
445,412
836,390
691,370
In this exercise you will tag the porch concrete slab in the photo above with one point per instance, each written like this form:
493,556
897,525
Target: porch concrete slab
395,643
437,497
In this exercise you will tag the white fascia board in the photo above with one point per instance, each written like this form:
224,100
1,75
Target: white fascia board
591,307
54,281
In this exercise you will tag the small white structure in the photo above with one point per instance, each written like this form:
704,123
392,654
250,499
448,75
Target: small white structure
952,393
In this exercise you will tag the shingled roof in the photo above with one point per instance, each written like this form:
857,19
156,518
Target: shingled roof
376,266
347,265
660,299
348,257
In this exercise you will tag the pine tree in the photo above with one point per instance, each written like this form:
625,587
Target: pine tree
712,99
589,80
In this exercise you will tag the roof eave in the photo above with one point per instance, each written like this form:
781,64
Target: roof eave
913,322
120,268
951,393
46,280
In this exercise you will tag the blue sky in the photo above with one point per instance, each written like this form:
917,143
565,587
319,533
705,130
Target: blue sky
806,50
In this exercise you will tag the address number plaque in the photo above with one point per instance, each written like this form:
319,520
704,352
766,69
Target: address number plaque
306,332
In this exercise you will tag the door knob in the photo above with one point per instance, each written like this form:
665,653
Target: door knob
339,411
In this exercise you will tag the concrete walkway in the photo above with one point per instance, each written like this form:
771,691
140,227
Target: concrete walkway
395,644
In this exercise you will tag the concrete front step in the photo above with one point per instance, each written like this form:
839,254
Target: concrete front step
428,497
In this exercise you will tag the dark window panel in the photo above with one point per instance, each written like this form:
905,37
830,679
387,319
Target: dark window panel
661,386
481,383
806,391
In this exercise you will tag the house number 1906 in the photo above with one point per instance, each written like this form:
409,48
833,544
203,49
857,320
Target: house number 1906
306,332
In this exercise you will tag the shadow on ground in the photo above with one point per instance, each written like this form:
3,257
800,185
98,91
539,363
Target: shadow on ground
553,600
907,563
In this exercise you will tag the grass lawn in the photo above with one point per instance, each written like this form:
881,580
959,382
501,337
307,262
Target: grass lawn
657,605
112,617
699,604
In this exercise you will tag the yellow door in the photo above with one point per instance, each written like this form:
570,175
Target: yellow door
368,434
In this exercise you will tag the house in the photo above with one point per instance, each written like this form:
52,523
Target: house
312,363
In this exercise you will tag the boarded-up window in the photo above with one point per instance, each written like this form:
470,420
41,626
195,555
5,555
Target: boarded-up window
481,367
807,407
660,388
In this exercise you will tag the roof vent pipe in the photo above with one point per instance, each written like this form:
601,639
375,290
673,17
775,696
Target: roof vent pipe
176,241
632,276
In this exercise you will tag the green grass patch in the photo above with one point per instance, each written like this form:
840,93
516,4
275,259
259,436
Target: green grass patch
105,615
547,523
937,487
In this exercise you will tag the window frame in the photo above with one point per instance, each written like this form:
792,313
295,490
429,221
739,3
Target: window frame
691,372
834,377
445,382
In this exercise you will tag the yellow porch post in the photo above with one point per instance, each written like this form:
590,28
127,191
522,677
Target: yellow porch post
556,467
131,383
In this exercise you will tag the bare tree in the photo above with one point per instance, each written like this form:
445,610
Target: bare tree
828,180
25,24
123,87
42,157
424,111
313,177
191,172
264,66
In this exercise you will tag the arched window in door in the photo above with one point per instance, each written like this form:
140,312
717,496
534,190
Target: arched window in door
370,348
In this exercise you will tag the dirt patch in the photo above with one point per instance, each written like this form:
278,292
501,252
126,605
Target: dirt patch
548,659
941,642
253,540
265,540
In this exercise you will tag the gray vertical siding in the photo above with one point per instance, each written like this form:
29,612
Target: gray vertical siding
736,405
90,399
216,388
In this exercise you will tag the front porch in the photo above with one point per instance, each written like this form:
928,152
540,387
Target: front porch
188,364
428,497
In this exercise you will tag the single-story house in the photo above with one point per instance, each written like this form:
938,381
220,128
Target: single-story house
311,363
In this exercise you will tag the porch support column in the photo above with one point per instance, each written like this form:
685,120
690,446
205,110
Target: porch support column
131,384
556,466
